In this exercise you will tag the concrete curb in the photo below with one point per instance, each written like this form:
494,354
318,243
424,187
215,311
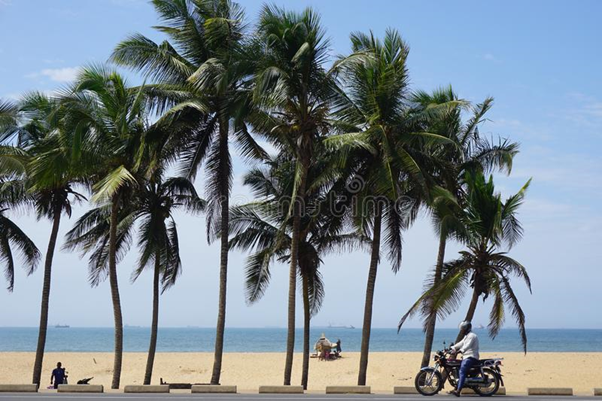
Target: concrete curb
598,391
80,388
347,389
143,388
203,389
18,388
501,391
404,390
549,391
280,389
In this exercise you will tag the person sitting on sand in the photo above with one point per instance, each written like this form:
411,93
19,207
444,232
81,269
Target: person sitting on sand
58,375
323,346
469,347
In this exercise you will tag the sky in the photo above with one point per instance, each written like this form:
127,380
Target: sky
541,62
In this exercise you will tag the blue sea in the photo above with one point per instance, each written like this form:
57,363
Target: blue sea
136,339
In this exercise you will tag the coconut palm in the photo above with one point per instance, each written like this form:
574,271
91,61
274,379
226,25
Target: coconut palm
265,227
490,224
202,76
292,91
49,176
109,119
471,152
158,240
388,142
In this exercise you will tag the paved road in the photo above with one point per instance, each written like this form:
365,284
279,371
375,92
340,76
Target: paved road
253,397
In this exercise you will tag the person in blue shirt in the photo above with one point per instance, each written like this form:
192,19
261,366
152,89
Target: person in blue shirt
58,375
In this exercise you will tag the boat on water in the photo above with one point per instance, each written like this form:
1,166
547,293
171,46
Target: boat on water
61,326
330,326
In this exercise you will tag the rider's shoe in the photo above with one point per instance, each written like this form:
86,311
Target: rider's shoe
455,392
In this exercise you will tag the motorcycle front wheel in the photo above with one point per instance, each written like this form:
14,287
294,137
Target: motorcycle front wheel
428,382
494,384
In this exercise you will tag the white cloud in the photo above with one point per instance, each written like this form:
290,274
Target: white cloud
490,57
66,74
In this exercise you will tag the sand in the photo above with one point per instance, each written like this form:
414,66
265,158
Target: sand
250,370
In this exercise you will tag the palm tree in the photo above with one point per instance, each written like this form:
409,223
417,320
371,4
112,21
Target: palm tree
203,75
292,91
49,177
265,227
109,118
158,240
490,223
471,152
387,138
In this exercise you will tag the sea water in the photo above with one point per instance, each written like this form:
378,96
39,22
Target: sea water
191,339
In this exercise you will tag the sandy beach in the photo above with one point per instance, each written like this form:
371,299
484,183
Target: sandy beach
249,370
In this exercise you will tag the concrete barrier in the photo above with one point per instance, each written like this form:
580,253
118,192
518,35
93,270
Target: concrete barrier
80,388
213,389
404,390
550,391
500,391
598,391
144,388
18,388
348,390
280,389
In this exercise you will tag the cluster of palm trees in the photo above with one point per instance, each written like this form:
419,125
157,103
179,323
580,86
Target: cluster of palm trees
358,155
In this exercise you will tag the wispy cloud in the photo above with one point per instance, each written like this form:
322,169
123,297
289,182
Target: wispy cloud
586,110
490,57
53,61
66,74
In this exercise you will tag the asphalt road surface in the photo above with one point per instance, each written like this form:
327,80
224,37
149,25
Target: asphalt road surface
254,397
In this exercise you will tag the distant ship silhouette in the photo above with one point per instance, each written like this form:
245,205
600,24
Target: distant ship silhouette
61,326
330,326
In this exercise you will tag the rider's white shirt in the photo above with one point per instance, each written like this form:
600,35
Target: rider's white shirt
469,346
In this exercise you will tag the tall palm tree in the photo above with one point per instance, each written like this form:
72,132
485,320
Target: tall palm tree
49,177
109,119
265,227
386,134
471,152
490,224
158,240
292,91
203,74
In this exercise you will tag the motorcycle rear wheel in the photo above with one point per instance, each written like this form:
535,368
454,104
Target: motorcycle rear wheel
493,387
428,382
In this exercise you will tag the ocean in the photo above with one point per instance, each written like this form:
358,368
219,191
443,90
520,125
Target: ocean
76,339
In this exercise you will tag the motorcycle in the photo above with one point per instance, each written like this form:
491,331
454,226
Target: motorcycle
484,378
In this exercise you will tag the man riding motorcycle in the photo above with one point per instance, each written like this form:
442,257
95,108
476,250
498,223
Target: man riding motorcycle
469,347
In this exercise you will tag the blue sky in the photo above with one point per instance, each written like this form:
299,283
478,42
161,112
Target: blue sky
541,62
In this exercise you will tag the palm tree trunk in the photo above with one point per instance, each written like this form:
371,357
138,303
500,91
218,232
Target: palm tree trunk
292,275
470,313
115,294
223,268
374,258
306,328
430,328
37,366
150,360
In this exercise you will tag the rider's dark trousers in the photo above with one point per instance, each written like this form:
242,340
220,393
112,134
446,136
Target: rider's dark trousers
467,363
